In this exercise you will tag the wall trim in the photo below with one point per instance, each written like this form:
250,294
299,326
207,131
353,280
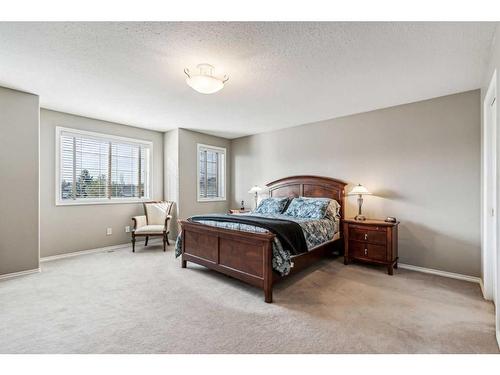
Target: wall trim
481,285
123,246
20,273
84,252
450,275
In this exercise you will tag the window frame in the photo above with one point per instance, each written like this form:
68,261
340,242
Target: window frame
222,150
103,136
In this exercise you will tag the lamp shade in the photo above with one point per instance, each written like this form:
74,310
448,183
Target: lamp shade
204,84
255,189
359,190
204,81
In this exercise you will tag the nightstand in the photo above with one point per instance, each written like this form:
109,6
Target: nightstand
237,212
373,241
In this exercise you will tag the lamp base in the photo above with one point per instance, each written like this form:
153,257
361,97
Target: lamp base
360,218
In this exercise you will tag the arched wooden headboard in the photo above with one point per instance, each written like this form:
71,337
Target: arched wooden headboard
309,186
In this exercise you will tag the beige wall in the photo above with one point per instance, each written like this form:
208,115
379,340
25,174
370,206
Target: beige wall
171,175
493,64
19,201
188,159
73,228
421,161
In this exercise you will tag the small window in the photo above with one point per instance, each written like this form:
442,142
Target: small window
211,173
97,168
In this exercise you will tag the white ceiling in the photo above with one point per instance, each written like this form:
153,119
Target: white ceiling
281,74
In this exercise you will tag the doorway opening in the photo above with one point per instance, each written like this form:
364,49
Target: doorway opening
490,222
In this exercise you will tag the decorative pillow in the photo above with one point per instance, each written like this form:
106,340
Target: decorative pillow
333,210
272,206
308,208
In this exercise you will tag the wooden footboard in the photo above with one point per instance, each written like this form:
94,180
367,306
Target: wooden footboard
246,256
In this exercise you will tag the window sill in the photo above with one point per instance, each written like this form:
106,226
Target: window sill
99,202
208,200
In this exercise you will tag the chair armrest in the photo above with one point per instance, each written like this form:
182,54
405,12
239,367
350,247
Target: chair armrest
139,221
168,219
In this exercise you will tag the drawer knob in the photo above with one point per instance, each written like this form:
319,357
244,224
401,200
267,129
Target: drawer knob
366,236
366,251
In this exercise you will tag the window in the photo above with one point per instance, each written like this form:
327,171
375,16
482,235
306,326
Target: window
98,168
211,173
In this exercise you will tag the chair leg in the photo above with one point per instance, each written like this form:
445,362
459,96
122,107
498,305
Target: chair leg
133,243
166,236
146,241
164,241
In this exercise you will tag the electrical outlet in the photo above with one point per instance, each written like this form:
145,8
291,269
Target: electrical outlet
109,231
127,229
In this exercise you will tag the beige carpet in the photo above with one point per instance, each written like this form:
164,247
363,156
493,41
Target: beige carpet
122,302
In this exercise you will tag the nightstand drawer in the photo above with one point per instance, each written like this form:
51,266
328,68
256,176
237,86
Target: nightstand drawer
367,251
361,234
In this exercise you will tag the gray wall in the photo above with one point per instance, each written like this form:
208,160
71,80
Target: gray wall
171,175
188,159
421,161
19,201
492,64
180,180
73,228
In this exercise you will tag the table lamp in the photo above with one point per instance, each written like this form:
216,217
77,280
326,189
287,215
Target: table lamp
255,190
359,190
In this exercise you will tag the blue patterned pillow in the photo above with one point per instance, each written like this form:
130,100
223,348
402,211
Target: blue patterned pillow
271,206
308,208
332,210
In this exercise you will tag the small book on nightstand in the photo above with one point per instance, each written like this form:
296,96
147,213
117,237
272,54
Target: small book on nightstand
373,241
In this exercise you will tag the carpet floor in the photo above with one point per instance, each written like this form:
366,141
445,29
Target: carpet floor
120,302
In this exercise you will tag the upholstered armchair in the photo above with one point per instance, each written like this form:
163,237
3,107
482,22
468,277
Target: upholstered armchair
155,222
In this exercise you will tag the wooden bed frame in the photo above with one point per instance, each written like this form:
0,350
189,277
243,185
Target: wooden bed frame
247,256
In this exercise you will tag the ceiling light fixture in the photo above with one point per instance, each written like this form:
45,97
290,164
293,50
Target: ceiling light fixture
205,82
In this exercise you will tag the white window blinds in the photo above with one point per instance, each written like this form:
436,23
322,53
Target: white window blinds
211,173
99,168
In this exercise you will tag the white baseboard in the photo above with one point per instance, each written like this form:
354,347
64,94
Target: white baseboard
481,285
84,252
451,275
124,246
21,273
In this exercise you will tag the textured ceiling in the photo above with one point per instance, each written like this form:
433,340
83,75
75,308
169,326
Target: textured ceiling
281,74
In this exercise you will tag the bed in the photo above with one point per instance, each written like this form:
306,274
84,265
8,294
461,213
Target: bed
248,255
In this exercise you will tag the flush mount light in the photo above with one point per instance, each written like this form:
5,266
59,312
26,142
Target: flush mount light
204,80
